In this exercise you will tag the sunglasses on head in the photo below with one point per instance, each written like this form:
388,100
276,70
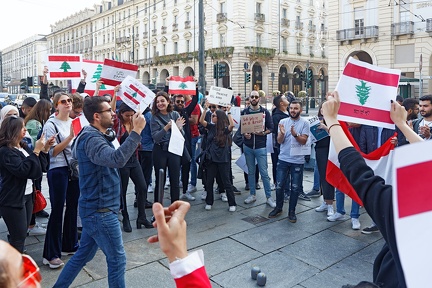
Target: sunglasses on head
64,101
32,274
254,97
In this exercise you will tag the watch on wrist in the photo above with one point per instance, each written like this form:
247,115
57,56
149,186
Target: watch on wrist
297,135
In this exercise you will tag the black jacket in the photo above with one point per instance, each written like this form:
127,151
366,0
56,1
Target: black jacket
15,169
377,199
258,141
277,115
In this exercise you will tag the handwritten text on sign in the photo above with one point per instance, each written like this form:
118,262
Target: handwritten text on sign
252,123
220,96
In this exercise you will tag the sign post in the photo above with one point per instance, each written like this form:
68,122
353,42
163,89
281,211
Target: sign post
421,80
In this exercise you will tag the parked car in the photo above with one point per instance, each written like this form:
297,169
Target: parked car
20,98
10,99
3,98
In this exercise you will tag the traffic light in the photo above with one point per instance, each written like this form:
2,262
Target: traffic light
29,81
302,76
221,70
247,77
215,71
309,78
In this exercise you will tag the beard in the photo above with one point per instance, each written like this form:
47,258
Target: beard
294,115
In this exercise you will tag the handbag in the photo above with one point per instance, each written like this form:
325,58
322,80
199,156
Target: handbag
39,202
238,138
73,172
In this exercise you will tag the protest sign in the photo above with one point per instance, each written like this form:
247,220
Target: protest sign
316,134
64,66
235,114
114,72
219,96
252,123
94,71
135,94
183,86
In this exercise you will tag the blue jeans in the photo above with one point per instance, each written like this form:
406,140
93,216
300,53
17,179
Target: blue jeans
340,200
316,184
100,230
193,166
261,158
288,172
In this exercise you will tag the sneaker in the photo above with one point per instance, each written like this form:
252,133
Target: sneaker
323,207
36,230
42,214
54,263
370,230
68,253
355,223
235,190
272,187
314,193
223,197
292,217
271,202
204,195
191,189
330,210
207,207
250,199
276,212
336,217
187,196
257,186
303,196
232,208
286,198
150,188
247,187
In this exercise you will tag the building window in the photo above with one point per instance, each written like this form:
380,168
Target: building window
298,47
258,40
187,45
187,16
175,48
145,52
175,19
404,11
284,13
222,40
163,49
154,5
154,51
358,21
222,7
284,44
258,8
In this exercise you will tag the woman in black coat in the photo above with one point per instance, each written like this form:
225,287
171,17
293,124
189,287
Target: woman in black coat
19,165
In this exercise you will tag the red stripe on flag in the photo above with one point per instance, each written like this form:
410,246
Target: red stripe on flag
92,61
58,58
110,82
182,92
413,192
336,178
373,114
76,124
181,79
137,90
65,74
369,75
120,65
131,98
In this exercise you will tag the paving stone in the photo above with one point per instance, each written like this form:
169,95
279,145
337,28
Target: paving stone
323,249
313,222
369,253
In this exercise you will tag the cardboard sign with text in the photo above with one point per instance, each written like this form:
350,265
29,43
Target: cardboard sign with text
220,96
252,123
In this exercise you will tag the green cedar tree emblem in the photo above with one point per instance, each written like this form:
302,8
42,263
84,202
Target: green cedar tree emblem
134,95
363,92
182,85
65,66
96,76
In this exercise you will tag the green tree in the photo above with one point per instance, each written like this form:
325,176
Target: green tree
362,92
96,76
65,66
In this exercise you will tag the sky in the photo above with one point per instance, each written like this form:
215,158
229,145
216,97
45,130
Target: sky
21,19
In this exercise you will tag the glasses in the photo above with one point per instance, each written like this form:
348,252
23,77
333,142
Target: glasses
77,113
180,101
32,275
107,110
64,101
254,97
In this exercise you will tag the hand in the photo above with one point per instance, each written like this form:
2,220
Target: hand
39,144
180,122
322,126
84,74
98,84
425,131
45,71
206,105
171,229
398,114
168,126
330,108
248,136
282,128
50,142
293,132
228,108
394,141
71,132
138,122
167,80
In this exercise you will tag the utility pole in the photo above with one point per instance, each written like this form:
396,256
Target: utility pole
307,85
421,79
201,47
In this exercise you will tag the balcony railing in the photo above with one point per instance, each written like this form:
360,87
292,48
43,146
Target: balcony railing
368,32
299,25
429,26
120,40
221,17
220,52
163,29
403,28
285,22
259,17
187,24
260,52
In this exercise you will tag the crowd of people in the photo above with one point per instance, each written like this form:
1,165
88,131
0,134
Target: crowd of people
121,144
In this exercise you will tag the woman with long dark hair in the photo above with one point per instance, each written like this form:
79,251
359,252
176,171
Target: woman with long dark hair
19,165
218,156
162,111
123,126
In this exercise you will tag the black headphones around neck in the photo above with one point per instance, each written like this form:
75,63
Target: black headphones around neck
110,135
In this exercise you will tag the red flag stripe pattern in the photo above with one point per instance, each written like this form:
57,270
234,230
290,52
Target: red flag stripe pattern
180,85
369,75
371,113
137,91
114,72
69,58
131,98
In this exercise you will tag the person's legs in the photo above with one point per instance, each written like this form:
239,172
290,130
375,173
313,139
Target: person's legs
211,170
70,232
261,156
316,183
124,180
296,171
274,159
174,175
224,170
185,169
193,164
137,177
282,177
250,162
355,210
160,159
146,162
340,202
16,223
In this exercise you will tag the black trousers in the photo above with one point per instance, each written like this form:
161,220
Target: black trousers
133,171
17,221
146,161
185,168
213,169
163,160
321,155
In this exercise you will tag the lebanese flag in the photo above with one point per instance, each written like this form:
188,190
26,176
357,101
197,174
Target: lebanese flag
64,66
365,92
135,94
412,210
78,123
378,160
183,86
94,70
114,72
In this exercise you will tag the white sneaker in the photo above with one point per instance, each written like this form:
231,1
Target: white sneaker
204,195
187,196
223,197
150,188
191,188
271,202
323,207
355,223
330,210
272,187
336,217
36,230
250,199
207,207
232,208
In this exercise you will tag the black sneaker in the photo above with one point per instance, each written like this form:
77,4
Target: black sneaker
303,196
235,190
148,204
292,217
370,230
42,214
313,193
276,212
